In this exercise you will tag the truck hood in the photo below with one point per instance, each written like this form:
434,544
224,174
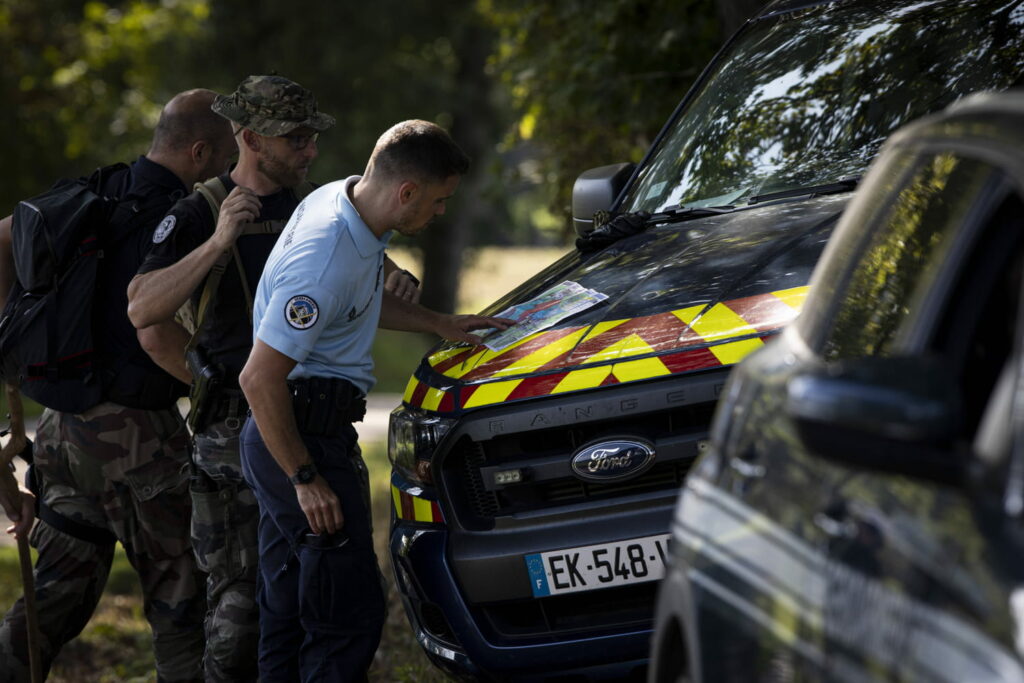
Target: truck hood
682,297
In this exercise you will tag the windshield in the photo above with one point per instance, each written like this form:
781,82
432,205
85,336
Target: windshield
808,97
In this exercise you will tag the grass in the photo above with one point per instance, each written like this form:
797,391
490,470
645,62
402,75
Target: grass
116,646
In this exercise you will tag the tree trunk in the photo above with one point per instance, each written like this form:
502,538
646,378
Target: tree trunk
443,244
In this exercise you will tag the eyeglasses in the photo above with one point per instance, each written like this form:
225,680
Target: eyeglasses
300,142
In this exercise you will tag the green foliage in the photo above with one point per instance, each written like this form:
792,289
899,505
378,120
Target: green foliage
369,64
83,83
592,83
584,84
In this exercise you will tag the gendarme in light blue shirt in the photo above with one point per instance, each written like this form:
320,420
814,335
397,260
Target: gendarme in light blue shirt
318,301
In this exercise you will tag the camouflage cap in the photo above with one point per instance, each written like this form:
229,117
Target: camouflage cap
271,105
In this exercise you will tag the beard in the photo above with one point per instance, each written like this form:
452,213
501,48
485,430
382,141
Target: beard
280,172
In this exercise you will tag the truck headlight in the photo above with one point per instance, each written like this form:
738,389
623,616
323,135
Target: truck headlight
413,436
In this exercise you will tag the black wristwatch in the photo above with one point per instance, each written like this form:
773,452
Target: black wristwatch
304,475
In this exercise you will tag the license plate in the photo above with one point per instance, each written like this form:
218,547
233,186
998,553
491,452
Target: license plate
597,566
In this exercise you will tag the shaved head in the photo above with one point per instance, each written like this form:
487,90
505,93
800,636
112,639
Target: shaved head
187,118
192,140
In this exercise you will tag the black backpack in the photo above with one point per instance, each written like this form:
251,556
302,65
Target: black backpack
47,330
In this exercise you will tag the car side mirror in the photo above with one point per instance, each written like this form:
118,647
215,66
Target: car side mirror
596,190
897,415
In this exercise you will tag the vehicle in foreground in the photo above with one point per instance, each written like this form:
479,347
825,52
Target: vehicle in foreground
858,515
534,482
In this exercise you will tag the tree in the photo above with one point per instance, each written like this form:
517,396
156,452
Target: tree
588,85
82,84
592,83
376,64
474,127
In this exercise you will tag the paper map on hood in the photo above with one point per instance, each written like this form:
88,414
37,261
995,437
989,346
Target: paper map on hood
541,312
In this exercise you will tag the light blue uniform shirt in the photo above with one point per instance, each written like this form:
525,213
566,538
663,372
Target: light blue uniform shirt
318,301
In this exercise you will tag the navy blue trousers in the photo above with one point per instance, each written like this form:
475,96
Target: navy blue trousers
321,604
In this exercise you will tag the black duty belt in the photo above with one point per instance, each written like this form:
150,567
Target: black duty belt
326,406
229,406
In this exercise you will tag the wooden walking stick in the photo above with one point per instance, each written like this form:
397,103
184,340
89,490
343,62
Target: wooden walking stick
10,485
31,616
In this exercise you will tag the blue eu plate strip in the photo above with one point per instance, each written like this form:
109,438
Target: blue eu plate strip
538,581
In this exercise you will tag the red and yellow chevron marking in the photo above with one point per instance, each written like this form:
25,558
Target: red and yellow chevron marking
556,361
415,509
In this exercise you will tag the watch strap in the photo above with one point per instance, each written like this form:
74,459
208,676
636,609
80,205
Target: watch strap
304,474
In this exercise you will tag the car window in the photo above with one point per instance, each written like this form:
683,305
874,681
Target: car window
903,253
868,207
976,310
807,97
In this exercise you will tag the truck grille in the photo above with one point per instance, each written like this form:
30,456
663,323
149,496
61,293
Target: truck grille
675,434
614,608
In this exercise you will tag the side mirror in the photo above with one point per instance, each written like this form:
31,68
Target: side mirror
897,415
595,190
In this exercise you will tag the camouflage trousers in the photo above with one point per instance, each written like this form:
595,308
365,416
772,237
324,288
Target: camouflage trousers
122,470
225,517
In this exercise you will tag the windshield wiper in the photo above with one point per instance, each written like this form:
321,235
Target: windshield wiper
677,213
844,185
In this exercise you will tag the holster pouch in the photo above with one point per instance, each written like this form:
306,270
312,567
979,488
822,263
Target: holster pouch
325,406
207,381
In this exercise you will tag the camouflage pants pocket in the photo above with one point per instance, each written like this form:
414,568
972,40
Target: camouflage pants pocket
160,493
158,546
224,531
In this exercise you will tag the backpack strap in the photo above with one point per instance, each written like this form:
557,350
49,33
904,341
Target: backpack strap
275,227
125,218
214,192
96,178
71,527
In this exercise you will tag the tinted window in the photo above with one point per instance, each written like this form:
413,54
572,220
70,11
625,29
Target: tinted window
808,97
903,254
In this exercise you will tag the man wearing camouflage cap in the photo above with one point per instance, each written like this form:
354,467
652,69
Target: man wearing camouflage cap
212,259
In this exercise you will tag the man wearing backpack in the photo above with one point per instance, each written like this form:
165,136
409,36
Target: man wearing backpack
209,253
117,471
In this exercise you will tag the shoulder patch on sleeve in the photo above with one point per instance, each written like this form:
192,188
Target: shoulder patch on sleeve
164,229
301,312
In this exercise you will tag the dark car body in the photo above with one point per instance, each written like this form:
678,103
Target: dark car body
858,515
534,485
